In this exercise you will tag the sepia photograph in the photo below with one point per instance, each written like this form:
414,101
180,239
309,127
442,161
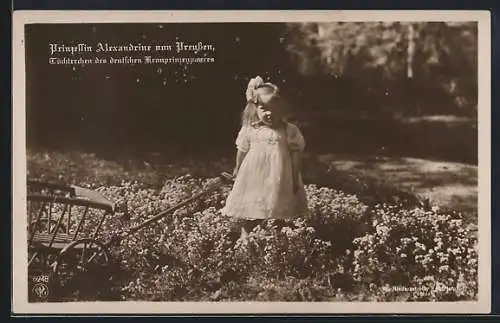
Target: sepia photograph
303,162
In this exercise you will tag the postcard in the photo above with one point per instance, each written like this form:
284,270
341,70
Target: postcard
251,162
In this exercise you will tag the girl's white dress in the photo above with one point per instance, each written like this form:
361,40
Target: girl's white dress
263,188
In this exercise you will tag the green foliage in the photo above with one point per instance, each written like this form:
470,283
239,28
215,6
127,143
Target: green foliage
436,54
352,47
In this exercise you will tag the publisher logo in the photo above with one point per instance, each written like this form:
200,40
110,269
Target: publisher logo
40,287
41,290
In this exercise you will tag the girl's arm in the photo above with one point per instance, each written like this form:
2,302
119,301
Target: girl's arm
242,145
296,145
296,167
240,156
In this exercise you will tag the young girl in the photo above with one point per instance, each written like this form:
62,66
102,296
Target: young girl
268,182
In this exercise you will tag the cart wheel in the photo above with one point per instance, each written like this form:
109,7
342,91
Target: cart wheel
41,259
80,268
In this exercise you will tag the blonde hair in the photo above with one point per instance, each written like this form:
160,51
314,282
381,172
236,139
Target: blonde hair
249,117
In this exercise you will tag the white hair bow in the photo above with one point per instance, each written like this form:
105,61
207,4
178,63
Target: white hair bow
252,86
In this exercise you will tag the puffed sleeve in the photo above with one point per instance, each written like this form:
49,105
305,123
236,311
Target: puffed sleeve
296,141
243,140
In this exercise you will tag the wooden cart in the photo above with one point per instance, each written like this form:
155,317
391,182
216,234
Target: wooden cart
64,240
64,223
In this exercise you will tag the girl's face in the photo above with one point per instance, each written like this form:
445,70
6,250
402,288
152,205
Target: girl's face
264,114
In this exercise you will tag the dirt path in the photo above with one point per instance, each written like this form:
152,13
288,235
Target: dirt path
449,184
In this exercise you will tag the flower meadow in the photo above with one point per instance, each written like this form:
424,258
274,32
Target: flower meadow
343,250
347,248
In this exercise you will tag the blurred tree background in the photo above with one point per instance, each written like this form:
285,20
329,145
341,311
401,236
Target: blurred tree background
383,88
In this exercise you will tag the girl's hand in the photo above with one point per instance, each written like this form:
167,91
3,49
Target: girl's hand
235,172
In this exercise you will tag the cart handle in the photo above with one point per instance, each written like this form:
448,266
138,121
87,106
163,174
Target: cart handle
223,178
226,176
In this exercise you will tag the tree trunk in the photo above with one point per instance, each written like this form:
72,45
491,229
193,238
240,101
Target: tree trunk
411,50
